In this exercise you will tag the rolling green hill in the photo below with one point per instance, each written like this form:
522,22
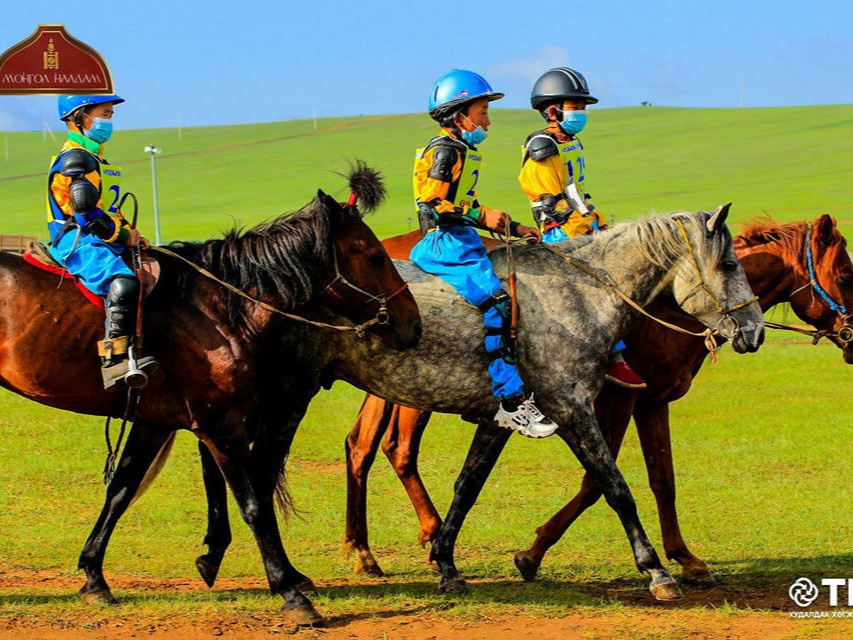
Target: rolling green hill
790,163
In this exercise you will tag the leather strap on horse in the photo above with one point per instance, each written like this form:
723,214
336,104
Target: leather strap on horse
358,329
720,308
707,334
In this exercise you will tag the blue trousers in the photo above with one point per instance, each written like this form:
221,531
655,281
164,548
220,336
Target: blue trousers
457,256
556,235
93,261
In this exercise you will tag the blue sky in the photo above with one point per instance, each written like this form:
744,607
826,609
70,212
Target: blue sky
236,62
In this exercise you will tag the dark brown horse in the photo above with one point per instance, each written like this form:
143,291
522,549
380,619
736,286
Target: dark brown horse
774,257
212,348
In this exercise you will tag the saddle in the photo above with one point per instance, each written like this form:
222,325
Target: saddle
38,256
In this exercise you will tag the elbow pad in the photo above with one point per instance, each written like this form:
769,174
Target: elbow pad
98,224
545,208
78,162
83,196
443,160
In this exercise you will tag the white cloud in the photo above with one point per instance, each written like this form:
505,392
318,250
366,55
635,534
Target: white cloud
529,69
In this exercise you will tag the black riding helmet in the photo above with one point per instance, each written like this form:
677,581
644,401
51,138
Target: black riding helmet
559,84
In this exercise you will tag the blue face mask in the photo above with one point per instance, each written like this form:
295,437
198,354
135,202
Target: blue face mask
573,121
101,130
474,137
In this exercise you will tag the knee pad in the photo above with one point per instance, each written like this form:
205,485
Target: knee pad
502,303
124,292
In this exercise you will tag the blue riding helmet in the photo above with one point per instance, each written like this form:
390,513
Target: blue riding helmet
454,89
69,104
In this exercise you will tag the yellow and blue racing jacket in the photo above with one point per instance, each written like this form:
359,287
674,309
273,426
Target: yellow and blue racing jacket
105,178
553,177
446,175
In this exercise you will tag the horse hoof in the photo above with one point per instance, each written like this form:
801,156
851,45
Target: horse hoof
98,597
207,570
699,577
665,589
456,586
526,567
302,615
366,565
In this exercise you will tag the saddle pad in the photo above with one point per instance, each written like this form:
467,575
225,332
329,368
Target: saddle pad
56,269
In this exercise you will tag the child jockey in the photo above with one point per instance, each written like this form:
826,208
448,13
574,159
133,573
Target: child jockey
446,174
88,240
553,175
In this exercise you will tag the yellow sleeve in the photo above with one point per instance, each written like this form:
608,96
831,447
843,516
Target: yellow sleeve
541,177
428,189
59,187
578,225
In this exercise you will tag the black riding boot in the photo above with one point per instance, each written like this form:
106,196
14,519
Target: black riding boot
122,300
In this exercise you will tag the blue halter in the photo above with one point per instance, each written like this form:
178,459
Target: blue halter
813,277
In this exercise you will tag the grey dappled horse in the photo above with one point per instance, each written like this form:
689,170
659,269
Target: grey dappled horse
569,322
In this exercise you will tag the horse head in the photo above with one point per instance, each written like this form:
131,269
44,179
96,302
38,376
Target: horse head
807,265
710,283
363,283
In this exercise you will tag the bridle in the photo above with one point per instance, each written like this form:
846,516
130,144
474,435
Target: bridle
382,317
845,333
726,319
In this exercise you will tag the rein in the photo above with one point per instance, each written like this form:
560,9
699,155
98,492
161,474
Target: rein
708,334
381,317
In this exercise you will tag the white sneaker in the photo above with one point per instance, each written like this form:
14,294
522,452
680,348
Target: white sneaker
527,420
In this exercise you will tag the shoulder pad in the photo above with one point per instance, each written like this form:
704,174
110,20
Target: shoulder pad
77,162
540,146
444,158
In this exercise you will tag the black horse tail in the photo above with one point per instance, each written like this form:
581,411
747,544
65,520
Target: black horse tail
283,497
368,185
155,468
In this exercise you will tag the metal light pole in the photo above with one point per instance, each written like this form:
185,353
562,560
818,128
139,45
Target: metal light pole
154,151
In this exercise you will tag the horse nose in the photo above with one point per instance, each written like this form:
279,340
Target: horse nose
417,332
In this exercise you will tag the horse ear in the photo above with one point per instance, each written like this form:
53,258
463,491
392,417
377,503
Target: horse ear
718,218
331,207
824,227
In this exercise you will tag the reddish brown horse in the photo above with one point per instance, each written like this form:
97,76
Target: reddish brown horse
774,257
209,343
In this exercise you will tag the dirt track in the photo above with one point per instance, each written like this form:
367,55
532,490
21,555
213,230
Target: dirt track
698,616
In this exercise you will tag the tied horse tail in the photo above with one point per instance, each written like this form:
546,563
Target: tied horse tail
367,185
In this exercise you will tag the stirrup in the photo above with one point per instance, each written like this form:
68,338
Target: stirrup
121,374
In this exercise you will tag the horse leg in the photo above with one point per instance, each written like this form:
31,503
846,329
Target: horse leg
401,446
485,450
252,476
613,408
653,429
361,445
218,536
582,434
143,445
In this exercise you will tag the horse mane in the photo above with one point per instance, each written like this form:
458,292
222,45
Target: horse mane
286,256
658,238
788,239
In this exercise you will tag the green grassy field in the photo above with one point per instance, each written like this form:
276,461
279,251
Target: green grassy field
639,160
762,443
